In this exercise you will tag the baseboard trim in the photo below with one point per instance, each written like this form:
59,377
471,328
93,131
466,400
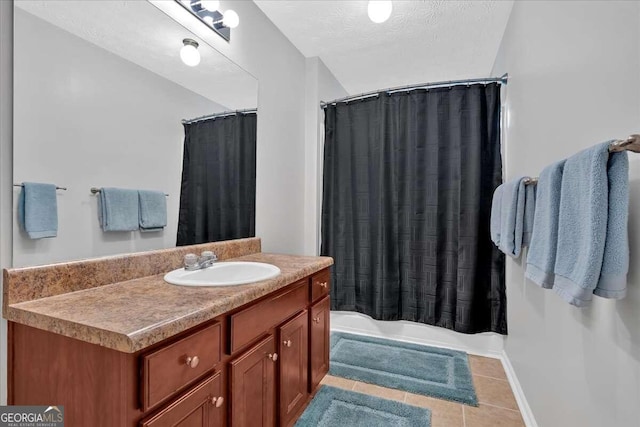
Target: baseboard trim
518,392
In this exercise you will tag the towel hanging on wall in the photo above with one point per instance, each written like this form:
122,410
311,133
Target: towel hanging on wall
118,209
38,210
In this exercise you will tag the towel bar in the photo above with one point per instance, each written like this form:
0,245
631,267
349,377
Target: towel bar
57,188
95,190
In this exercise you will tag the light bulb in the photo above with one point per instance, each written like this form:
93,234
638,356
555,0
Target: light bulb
210,5
189,53
379,10
230,19
208,19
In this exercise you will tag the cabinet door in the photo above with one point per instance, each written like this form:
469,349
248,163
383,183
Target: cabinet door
319,338
201,406
294,363
253,397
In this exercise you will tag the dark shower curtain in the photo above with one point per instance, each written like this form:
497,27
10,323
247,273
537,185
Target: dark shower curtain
408,183
218,193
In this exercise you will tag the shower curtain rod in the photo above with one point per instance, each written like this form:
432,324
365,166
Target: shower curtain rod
449,83
222,114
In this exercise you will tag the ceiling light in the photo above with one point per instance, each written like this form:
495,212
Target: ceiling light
210,5
189,52
230,19
379,10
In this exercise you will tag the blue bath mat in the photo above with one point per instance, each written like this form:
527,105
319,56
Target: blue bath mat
418,369
332,407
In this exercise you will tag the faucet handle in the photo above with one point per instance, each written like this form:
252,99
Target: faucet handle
208,255
190,260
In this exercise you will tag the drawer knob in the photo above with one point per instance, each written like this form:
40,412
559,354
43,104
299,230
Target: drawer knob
287,343
273,356
316,320
192,362
323,284
218,401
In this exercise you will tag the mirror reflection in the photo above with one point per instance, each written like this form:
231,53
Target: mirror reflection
119,97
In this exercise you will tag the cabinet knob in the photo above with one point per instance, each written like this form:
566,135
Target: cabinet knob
273,356
323,284
218,401
316,320
287,343
192,362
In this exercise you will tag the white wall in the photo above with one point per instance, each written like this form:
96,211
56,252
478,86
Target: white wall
574,81
260,48
320,85
6,167
84,117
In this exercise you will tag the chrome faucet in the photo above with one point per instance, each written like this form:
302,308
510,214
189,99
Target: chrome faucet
193,262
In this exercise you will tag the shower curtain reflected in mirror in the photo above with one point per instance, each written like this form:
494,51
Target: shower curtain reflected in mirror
408,183
218,193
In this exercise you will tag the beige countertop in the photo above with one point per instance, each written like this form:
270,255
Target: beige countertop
131,315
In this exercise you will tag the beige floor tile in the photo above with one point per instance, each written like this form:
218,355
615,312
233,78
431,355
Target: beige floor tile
443,412
374,390
494,392
338,382
487,366
490,416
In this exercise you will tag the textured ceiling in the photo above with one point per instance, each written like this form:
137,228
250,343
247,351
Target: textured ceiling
423,41
139,32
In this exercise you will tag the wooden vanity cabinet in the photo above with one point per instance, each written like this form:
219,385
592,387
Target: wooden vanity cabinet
319,347
257,365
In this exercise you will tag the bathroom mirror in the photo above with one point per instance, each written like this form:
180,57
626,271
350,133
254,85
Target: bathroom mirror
100,92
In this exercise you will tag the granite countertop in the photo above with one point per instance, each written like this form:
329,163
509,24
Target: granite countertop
131,315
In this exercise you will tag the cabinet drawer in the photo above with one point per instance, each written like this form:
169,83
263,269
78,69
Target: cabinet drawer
252,322
171,368
203,405
320,284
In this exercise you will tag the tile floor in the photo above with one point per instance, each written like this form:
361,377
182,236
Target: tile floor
498,407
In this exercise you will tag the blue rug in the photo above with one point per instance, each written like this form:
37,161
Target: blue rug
418,369
332,407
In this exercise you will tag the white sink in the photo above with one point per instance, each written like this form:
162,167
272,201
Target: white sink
223,274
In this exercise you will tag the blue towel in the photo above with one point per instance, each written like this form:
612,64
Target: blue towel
153,210
529,213
496,215
512,217
583,223
615,263
541,257
38,210
118,209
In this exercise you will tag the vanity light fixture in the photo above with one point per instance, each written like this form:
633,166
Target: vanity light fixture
379,10
209,13
189,52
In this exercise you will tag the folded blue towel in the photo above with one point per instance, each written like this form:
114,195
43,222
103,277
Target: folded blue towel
38,210
529,213
153,210
541,257
512,217
615,263
496,215
583,224
118,209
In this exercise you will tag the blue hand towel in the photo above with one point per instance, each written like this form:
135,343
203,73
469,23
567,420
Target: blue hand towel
153,210
496,215
512,217
38,210
583,224
615,263
541,257
118,209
